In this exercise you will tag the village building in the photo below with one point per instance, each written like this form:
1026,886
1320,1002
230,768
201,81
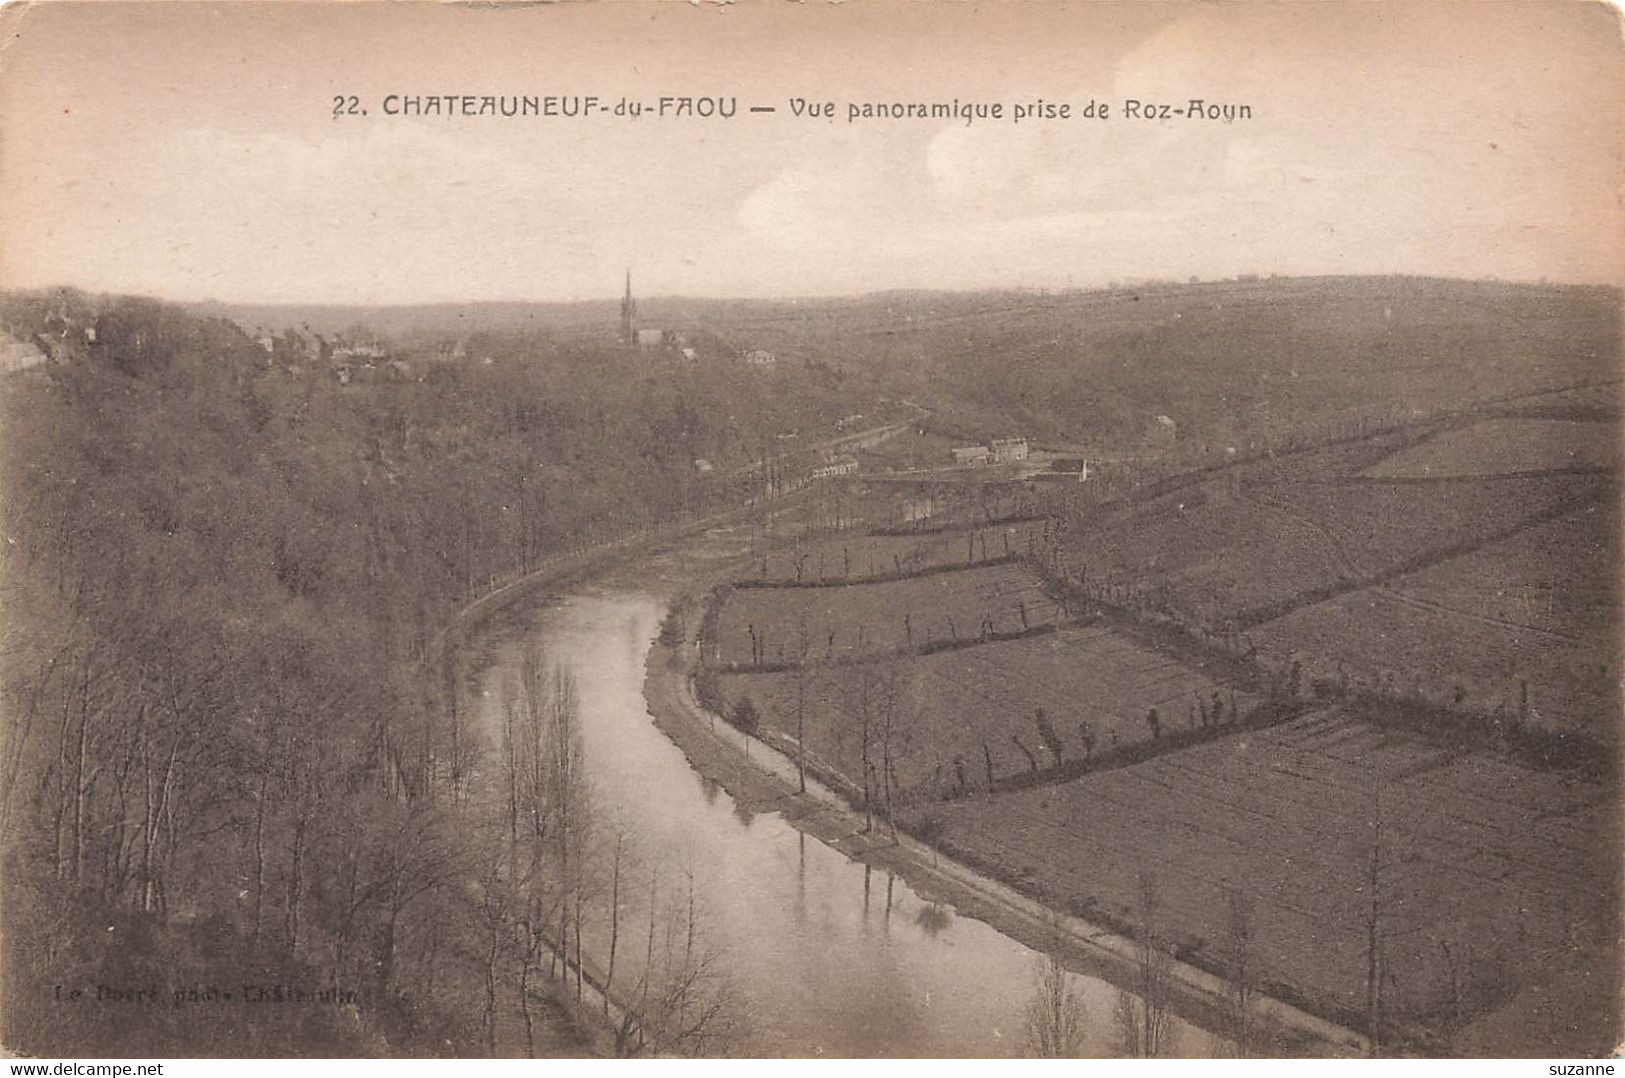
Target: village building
18,356
1070,466
757,357
633,332
1005,450
838,466
971,454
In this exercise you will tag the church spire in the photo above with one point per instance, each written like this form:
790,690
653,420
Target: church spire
629,313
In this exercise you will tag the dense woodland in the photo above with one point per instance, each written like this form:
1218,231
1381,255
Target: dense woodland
232,748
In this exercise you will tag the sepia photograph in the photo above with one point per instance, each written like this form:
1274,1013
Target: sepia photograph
811,530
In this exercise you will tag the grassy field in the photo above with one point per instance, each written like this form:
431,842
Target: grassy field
1252,551
1389,640
1519,623
1598,401
957,713
1506,447
1449,536
846,621
1371,528
1545,578
1488,874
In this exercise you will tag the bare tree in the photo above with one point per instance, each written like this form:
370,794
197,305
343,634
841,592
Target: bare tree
1374,972
495,897
686,1005
863,702
803,651
897,723
617,865
1241,969
1055,1014
1142,1015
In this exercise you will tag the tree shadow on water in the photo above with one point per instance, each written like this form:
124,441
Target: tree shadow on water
934,918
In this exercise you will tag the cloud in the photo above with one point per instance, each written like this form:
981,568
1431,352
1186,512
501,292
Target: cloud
833,198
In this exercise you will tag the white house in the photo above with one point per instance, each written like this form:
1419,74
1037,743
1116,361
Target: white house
837,466
19,355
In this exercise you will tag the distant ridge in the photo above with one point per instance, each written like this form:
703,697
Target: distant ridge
510,315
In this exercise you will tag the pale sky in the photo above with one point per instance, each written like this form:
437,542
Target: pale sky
189,151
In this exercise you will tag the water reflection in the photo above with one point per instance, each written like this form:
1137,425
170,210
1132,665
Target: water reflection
807,935
934,918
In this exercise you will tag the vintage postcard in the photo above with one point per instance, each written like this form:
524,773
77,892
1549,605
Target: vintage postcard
776,529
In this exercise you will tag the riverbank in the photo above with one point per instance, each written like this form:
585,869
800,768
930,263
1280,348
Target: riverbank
763,778
576,1014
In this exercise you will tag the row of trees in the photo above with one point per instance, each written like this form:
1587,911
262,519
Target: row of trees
562,890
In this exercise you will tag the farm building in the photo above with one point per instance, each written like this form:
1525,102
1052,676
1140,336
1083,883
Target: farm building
756,357
19,356
836,467
1069,466
1162,430
1008,449
971,454
363,352
349,373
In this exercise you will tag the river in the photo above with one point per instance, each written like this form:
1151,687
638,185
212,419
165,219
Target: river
831,957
